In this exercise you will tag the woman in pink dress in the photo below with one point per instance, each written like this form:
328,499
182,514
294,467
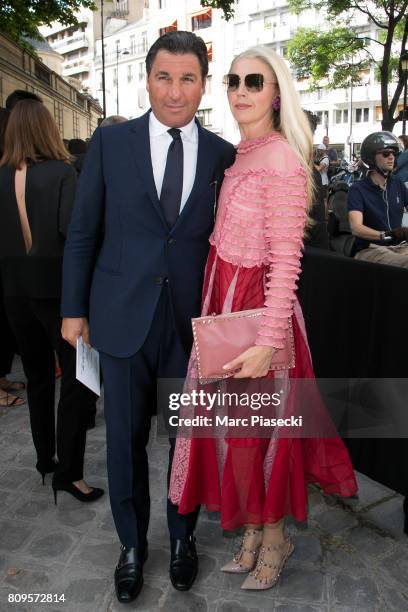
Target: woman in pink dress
254,262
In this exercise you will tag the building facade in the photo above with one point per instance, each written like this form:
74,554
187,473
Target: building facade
76,114
76,46
76,43
345,115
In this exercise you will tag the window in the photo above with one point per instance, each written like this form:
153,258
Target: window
144,42
208,84
142,71
322,118
204,115
59,116
129,73
75,124
269,23
284,52
209,51
43,74
133,44
341,116
362,115
201,21
170,28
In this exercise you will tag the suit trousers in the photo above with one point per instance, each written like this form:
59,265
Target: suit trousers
36,324
130,402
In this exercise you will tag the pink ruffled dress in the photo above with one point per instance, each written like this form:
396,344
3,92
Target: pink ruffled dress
254,262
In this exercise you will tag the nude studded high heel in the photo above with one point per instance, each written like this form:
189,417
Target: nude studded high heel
235,566
253,583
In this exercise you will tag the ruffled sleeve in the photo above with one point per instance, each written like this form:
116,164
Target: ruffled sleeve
285,194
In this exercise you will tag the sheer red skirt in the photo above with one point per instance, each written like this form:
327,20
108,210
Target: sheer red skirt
236,486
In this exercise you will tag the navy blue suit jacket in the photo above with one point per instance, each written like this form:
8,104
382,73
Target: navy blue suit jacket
119,251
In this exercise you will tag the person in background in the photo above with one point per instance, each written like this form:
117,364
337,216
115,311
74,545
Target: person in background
317,235
78,149
112,120
376,204
37,188
402,161
18,95
334,162
7,340
321,164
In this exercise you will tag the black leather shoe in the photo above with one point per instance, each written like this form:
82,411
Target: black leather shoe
183,563
128,575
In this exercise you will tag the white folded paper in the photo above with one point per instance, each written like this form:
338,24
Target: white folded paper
87,366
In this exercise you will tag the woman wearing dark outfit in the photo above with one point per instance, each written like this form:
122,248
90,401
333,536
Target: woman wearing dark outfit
37,187
8,343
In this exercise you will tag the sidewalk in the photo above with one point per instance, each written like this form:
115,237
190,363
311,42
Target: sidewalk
351,557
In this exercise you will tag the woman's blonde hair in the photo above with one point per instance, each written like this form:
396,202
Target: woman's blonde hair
32,135
290,120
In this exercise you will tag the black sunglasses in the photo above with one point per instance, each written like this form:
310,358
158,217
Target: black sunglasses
253,82
388,152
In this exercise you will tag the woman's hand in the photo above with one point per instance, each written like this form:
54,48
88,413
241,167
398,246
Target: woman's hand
254,362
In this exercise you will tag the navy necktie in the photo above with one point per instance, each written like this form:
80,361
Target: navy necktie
172,188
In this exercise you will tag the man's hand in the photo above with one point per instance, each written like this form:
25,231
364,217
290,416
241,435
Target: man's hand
73,328
399,234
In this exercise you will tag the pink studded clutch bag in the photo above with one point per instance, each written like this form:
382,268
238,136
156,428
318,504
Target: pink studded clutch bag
220,338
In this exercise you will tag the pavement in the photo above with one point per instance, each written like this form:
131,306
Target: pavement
350,557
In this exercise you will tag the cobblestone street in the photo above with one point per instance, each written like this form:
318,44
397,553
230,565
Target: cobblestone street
351,557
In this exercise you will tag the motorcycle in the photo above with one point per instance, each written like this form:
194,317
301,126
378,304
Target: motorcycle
341,239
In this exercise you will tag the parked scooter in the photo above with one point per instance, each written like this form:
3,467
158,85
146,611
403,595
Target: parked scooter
341,239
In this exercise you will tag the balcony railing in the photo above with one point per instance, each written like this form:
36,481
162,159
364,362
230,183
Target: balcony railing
65,42
133,50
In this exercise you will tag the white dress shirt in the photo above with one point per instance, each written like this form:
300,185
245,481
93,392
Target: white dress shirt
160,141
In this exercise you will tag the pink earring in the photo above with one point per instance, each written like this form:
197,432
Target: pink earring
276,104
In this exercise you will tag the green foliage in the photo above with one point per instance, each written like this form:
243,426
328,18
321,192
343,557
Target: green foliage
19,18
320,55
226,5
392,70
339,54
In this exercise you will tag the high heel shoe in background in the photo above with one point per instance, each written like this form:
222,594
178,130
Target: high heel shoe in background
69,487
46,468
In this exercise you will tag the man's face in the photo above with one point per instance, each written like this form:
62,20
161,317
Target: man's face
385,159
175,87
326,141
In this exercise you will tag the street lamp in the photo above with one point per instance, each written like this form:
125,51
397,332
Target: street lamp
118,52
404,68
103,64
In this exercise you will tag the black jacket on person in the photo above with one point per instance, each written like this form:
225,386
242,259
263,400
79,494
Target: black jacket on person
50,192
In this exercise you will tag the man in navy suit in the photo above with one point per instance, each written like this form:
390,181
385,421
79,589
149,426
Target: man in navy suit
149,187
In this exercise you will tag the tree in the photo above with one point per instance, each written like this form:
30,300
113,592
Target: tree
341,53
22,18
226,5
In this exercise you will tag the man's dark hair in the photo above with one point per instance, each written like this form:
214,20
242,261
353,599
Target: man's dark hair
77,146
179,43
312,119
18,95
